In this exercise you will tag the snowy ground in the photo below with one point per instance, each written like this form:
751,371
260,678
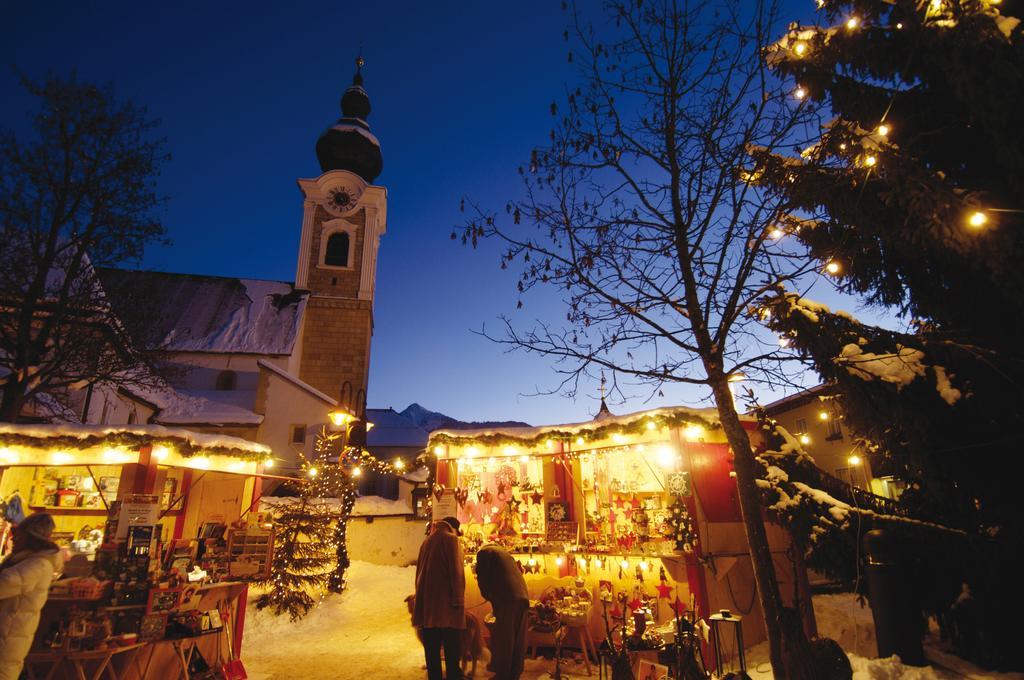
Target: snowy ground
365,633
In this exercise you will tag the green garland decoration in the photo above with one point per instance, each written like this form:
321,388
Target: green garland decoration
128,440
681,418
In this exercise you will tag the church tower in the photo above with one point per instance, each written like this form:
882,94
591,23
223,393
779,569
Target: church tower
344,216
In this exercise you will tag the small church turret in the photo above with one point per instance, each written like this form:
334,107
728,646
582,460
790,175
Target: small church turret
344,216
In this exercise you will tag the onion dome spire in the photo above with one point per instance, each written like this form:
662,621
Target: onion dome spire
349,144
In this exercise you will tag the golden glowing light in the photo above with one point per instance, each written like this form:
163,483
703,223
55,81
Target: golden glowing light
804,439
160,452
833,267
777,233
597,562
822,415
618,438
472,451
624,564
312,472
693,432
550,443
509,450
399,464
852,23
579,441
268,463
883,130
800,92
201,462
369,426
899,26
559,561
532,562
62,458
340,417
870,161
666,456
438,451
645,565
651,425
581,562
854,460
357,471
800,48
977,219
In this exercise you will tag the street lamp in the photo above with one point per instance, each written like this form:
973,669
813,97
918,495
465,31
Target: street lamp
855,461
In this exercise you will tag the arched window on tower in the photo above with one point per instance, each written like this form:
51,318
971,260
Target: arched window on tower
226,380
337,250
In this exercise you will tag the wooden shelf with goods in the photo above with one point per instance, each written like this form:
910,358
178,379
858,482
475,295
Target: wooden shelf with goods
250,552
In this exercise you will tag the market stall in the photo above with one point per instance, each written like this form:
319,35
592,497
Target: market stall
160,542
627,519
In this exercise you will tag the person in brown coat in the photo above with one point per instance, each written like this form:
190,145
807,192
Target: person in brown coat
440,610
502,584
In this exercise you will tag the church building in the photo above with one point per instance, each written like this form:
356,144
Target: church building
268,360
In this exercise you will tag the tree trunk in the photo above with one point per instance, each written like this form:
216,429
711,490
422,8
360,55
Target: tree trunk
753,522
11,400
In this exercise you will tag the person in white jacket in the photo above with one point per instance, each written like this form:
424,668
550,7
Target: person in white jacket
25,578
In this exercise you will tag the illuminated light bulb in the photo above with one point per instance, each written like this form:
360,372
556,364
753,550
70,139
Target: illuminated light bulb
509,450
581,562
822,415
624,564
268,463
200,462
870,161
160,452
854,459
532,562
644,565
899,26
61,458
340,418
494,509
852,23
8,456
833,267
800,48
666,456
438,451
618,438
237,465
800,92
357,471
597,562
777,233
579,441
883,130
524,459
651,425
312,472
977,219
804,439
693,432
471,452
559,561
842,146
550,443
399,464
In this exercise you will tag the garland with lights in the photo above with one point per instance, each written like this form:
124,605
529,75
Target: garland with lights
681,527
131,440
650,421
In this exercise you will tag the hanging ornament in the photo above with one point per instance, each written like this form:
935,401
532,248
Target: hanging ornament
537,497
681,528
664,590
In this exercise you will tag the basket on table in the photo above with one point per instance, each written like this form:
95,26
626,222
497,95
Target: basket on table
88,588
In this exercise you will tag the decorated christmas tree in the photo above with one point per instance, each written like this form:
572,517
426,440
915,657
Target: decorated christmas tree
910,199
303,559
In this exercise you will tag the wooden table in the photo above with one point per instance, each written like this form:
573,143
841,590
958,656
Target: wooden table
104,659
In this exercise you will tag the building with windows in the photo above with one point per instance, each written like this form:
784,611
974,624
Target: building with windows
816,419
263,360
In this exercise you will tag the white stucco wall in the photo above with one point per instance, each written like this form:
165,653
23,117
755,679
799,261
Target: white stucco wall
385,540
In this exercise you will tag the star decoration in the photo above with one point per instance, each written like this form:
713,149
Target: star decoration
635,603
664,590
536,497
514,504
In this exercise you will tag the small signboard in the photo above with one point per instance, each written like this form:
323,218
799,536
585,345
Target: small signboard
679,484
137,510
445,506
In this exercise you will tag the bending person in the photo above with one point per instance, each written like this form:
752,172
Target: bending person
502,584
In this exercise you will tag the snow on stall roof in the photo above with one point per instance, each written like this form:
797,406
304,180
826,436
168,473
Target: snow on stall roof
709,415
420,474
154,432
346,127
201,313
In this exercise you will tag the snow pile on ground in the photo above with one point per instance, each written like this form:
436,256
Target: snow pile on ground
366,633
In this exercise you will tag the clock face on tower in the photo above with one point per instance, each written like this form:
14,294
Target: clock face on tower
341,199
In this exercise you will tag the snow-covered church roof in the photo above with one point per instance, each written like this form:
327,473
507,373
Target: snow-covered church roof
198,313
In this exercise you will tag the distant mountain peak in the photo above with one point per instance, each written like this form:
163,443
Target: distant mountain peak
432,420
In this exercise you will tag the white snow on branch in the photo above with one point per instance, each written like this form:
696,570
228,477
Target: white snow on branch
949,394
900,368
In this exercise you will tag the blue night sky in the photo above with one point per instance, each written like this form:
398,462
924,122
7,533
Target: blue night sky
460,94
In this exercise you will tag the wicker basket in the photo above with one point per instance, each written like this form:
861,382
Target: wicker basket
88,588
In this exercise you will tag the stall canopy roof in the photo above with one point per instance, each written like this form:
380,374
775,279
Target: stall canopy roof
73,436
674,416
